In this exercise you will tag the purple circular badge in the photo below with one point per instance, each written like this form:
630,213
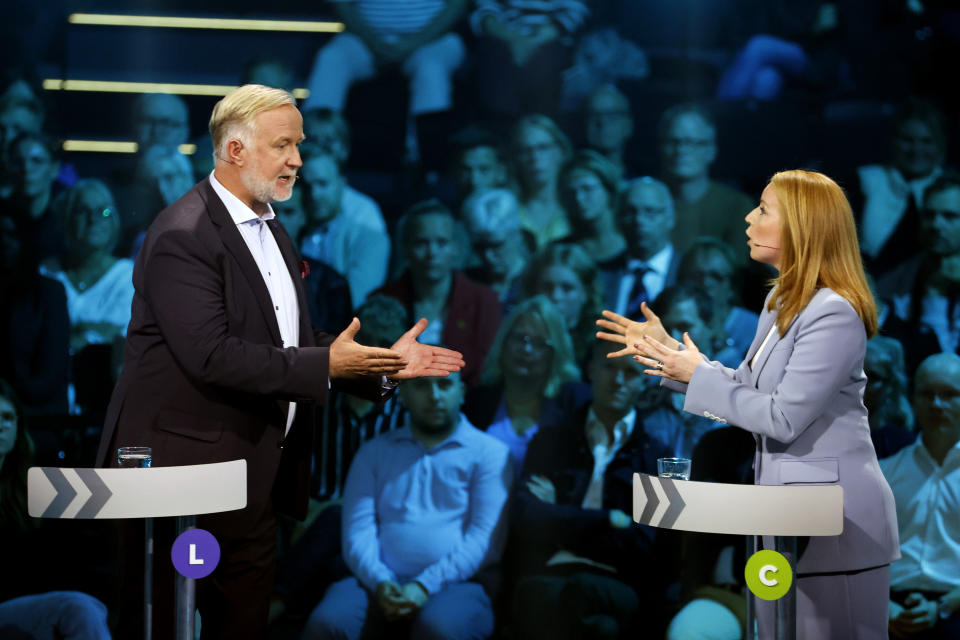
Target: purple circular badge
195,553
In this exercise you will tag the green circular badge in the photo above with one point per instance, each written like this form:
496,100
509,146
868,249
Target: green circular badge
768,575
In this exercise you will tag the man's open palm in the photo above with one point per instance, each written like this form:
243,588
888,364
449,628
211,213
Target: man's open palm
424,360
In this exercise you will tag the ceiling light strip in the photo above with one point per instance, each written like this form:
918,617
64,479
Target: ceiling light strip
180,22
183,89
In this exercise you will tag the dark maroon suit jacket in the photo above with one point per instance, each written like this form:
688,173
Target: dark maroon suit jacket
205,378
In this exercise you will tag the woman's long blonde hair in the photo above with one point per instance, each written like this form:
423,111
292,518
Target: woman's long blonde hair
818,248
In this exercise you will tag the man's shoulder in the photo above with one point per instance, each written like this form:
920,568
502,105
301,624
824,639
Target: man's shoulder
187,212
361,209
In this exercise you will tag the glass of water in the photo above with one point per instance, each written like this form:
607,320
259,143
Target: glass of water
674,468
134,457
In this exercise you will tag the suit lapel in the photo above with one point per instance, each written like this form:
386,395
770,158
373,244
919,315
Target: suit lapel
235,245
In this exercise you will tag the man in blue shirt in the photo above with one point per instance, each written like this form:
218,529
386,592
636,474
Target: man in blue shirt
423,511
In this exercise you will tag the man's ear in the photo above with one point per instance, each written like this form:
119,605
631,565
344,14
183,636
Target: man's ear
235,152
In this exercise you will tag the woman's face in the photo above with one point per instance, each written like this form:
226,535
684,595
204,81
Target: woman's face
8,426
763,229
539,156
94,222
566,292
586,194
527,352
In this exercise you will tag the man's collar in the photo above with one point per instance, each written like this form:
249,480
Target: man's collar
659,263
459,435
239,212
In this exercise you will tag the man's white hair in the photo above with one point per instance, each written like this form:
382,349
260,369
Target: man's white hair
491,210
233,117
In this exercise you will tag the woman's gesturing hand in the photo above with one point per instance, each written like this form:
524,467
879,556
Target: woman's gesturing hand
630,333
665,362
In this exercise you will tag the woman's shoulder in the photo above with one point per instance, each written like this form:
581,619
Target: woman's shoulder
828,303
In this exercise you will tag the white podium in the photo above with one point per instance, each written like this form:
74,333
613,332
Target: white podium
784,512
156,492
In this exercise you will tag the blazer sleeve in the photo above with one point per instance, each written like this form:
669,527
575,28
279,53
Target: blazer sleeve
828,344
184,286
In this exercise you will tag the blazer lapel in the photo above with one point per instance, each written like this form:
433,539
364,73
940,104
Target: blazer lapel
291,259
234,243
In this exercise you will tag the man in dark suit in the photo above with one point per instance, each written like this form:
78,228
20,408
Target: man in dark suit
649,263
221,362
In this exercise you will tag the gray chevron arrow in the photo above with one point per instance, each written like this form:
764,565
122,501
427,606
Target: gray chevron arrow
99,493
674,501
652,500
65,492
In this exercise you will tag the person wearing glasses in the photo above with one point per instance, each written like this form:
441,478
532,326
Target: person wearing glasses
539,149
531,357
800,392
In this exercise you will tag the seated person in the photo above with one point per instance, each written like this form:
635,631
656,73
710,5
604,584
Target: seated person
923,291
568,277
925,479
493,224
589,191
28,609
609,127
686,309
462,314
540,149
649,264
34,162
345,228
711,264
34,326
477,162
583,566
162,171
19,113
328,292
99,285
885,396
326,129
423,513
530,359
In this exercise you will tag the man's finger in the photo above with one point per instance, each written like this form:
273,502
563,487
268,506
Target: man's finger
350,332
414,332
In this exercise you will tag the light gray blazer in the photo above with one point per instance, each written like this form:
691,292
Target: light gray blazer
803,401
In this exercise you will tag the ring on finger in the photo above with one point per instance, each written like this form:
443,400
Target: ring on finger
659,365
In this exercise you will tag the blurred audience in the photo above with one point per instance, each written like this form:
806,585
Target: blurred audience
893,193
609,127
601,57
539,149
34,325
327,130
581,558
34,163
530,359
589,189
885,396
704,207
649,263
18,114
463,314
492,220
344,228
566,275
423,517
925,479
711,264
477,162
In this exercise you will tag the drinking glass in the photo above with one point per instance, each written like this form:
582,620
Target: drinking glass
134,457
674,468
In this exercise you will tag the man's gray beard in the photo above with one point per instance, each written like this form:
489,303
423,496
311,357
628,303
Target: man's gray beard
262,190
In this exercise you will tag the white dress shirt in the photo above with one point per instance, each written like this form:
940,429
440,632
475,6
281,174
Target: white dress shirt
604,449
266,253
654,279
928,504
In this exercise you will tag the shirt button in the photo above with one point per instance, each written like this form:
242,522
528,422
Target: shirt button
277,308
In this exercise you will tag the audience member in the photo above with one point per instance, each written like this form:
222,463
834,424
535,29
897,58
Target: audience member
99,285
566,275
477,162
34,326
885,396
463,314
327,130
704,207
609,127
423,515
924,289
649,263
583,564
269,71
328,292
18,114
540,149
925,479
492,219
418,39
711,264
345,228
34,164
589,188
893,192
522,48
143,189
530,359
601,57
27,608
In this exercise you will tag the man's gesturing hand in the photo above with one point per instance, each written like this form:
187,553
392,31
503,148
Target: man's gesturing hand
423,360
349,359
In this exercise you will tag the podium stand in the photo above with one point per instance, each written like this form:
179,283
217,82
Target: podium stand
784,512
156,492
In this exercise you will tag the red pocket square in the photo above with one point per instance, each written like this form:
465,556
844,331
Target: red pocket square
304,269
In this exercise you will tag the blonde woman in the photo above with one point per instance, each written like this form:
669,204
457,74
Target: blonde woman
800,392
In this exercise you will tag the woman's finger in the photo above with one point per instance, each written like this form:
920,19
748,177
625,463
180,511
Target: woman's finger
648,312
611,326
612,337
656,347
616,317
618,354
